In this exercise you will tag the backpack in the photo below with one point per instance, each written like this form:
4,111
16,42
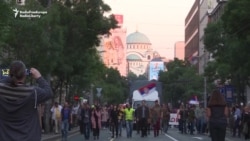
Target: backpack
58,113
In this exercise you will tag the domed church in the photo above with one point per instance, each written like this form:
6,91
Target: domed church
139,53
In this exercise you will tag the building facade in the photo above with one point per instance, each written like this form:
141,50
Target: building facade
216,13
192,34
139,53
113,51
206,6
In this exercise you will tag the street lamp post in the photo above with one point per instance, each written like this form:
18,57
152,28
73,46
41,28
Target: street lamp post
205,80
99,94
91,95
205,92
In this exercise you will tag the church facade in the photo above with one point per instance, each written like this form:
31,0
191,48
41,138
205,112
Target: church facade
139,53
127,54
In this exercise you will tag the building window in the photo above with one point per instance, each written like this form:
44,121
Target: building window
149,57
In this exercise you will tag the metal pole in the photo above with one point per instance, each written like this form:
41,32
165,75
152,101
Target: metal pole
205,80
205,92
91,95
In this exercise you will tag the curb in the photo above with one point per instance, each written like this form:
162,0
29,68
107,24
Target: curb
56,136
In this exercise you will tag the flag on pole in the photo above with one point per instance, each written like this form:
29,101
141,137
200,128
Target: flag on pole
147,88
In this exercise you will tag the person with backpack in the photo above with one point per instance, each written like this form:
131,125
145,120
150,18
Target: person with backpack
56,116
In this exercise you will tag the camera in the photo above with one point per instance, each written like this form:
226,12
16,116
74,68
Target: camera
28,72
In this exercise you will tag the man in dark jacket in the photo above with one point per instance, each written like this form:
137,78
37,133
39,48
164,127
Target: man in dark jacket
67,119
143,115
114,113
19,120
86,120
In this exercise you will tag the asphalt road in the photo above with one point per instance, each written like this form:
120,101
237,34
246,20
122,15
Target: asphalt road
172,135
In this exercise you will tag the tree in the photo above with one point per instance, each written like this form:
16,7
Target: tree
6,18
142,77
131,76
180,82
115,87
61,43
228,41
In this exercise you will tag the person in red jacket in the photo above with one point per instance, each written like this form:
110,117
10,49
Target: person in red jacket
96,121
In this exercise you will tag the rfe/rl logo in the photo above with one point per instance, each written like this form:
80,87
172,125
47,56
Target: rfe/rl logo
16,12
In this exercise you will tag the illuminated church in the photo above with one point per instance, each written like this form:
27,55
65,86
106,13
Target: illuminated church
139,53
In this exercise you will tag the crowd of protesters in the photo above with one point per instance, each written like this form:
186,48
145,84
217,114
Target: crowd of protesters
216,119
92,119
192,119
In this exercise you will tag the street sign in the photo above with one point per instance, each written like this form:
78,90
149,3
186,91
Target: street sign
227,91
76,97
99,92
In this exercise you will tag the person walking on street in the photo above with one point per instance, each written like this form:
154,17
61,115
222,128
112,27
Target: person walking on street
79,118
217,113
66,120
105,117
75,108
165,117
86,120
96,121
129,117
137,124
191,119
56,116
19,120
111,107
237,121
246,121
120,119
183,119
114,121
143,115
199,122
156,118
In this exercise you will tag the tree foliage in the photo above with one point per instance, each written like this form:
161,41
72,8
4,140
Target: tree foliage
228,40
181,82
61,43
115,87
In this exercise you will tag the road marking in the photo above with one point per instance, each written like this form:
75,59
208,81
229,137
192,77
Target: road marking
111,139
227,139
172,138
199,138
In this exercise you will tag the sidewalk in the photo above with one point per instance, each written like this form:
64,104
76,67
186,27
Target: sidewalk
51,136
